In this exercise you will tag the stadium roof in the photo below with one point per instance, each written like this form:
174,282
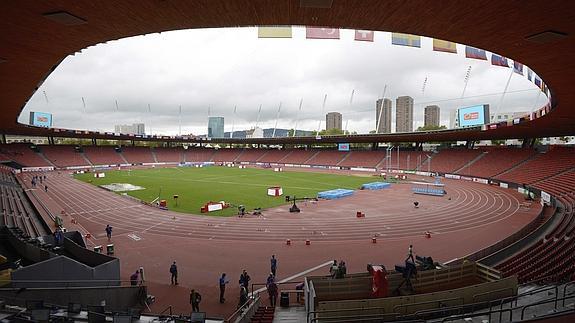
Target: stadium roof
37,35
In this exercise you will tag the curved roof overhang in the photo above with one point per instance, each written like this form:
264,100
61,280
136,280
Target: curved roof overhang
32,44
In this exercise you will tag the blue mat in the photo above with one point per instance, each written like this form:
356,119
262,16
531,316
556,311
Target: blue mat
334,194
375,186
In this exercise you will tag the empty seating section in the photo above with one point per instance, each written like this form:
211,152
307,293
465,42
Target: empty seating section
451,160
251,155
554,161
23,155
558,185
103,155
408,160
553,257
496,161
137,155
297,157
198,155
363,159
274,156
326,158
16,211
63,156
226,155
263,314
169,155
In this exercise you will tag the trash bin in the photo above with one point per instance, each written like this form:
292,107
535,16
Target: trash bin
284,299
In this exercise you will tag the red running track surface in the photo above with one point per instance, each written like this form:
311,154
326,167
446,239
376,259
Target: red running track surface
471,216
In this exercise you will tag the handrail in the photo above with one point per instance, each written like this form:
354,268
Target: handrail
439,301
491,292
251,300
565,290
356,318
165,309
545,302
346,310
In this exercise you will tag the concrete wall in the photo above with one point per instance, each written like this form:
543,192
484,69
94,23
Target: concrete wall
62,271
116,298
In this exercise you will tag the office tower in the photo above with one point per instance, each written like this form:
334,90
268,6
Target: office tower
404,114
383,123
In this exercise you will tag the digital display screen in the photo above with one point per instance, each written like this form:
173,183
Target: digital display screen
41,119
343,147
473,116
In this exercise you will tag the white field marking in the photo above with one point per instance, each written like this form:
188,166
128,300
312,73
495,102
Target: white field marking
134,237
295,276
152,226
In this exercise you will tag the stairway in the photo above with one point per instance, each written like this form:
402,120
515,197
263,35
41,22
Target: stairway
517,165
41,155
466,166
263,314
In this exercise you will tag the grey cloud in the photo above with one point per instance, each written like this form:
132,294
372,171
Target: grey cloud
221,68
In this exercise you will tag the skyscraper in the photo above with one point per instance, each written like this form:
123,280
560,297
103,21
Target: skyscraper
333,121
431,116
404,114
216,127
383,123
133,129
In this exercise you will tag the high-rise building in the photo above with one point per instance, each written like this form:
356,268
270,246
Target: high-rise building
333,121
383,123
133,129
216,127
431,116
404,114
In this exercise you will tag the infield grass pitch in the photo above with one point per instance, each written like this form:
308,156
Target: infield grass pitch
248,186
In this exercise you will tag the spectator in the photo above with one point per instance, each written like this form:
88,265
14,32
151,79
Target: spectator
271,279
195,299
174,272
299,294
134,278
245,279
273,264
223,282
333,269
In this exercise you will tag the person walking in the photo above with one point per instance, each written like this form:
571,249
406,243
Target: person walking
46,188
174,272
223,282
273,264
109,232
195,299
243,296
273,293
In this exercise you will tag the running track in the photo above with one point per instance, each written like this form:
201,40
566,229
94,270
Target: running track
469,217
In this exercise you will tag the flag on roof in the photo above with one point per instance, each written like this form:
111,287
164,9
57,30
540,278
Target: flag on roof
274,32
537,82
405,40
321,33
499,60
364,35
476,53
444,46
517,67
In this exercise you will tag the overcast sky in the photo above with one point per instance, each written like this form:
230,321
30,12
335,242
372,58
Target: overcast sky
217,69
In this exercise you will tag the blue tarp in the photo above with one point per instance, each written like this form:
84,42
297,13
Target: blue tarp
375,186
334,194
